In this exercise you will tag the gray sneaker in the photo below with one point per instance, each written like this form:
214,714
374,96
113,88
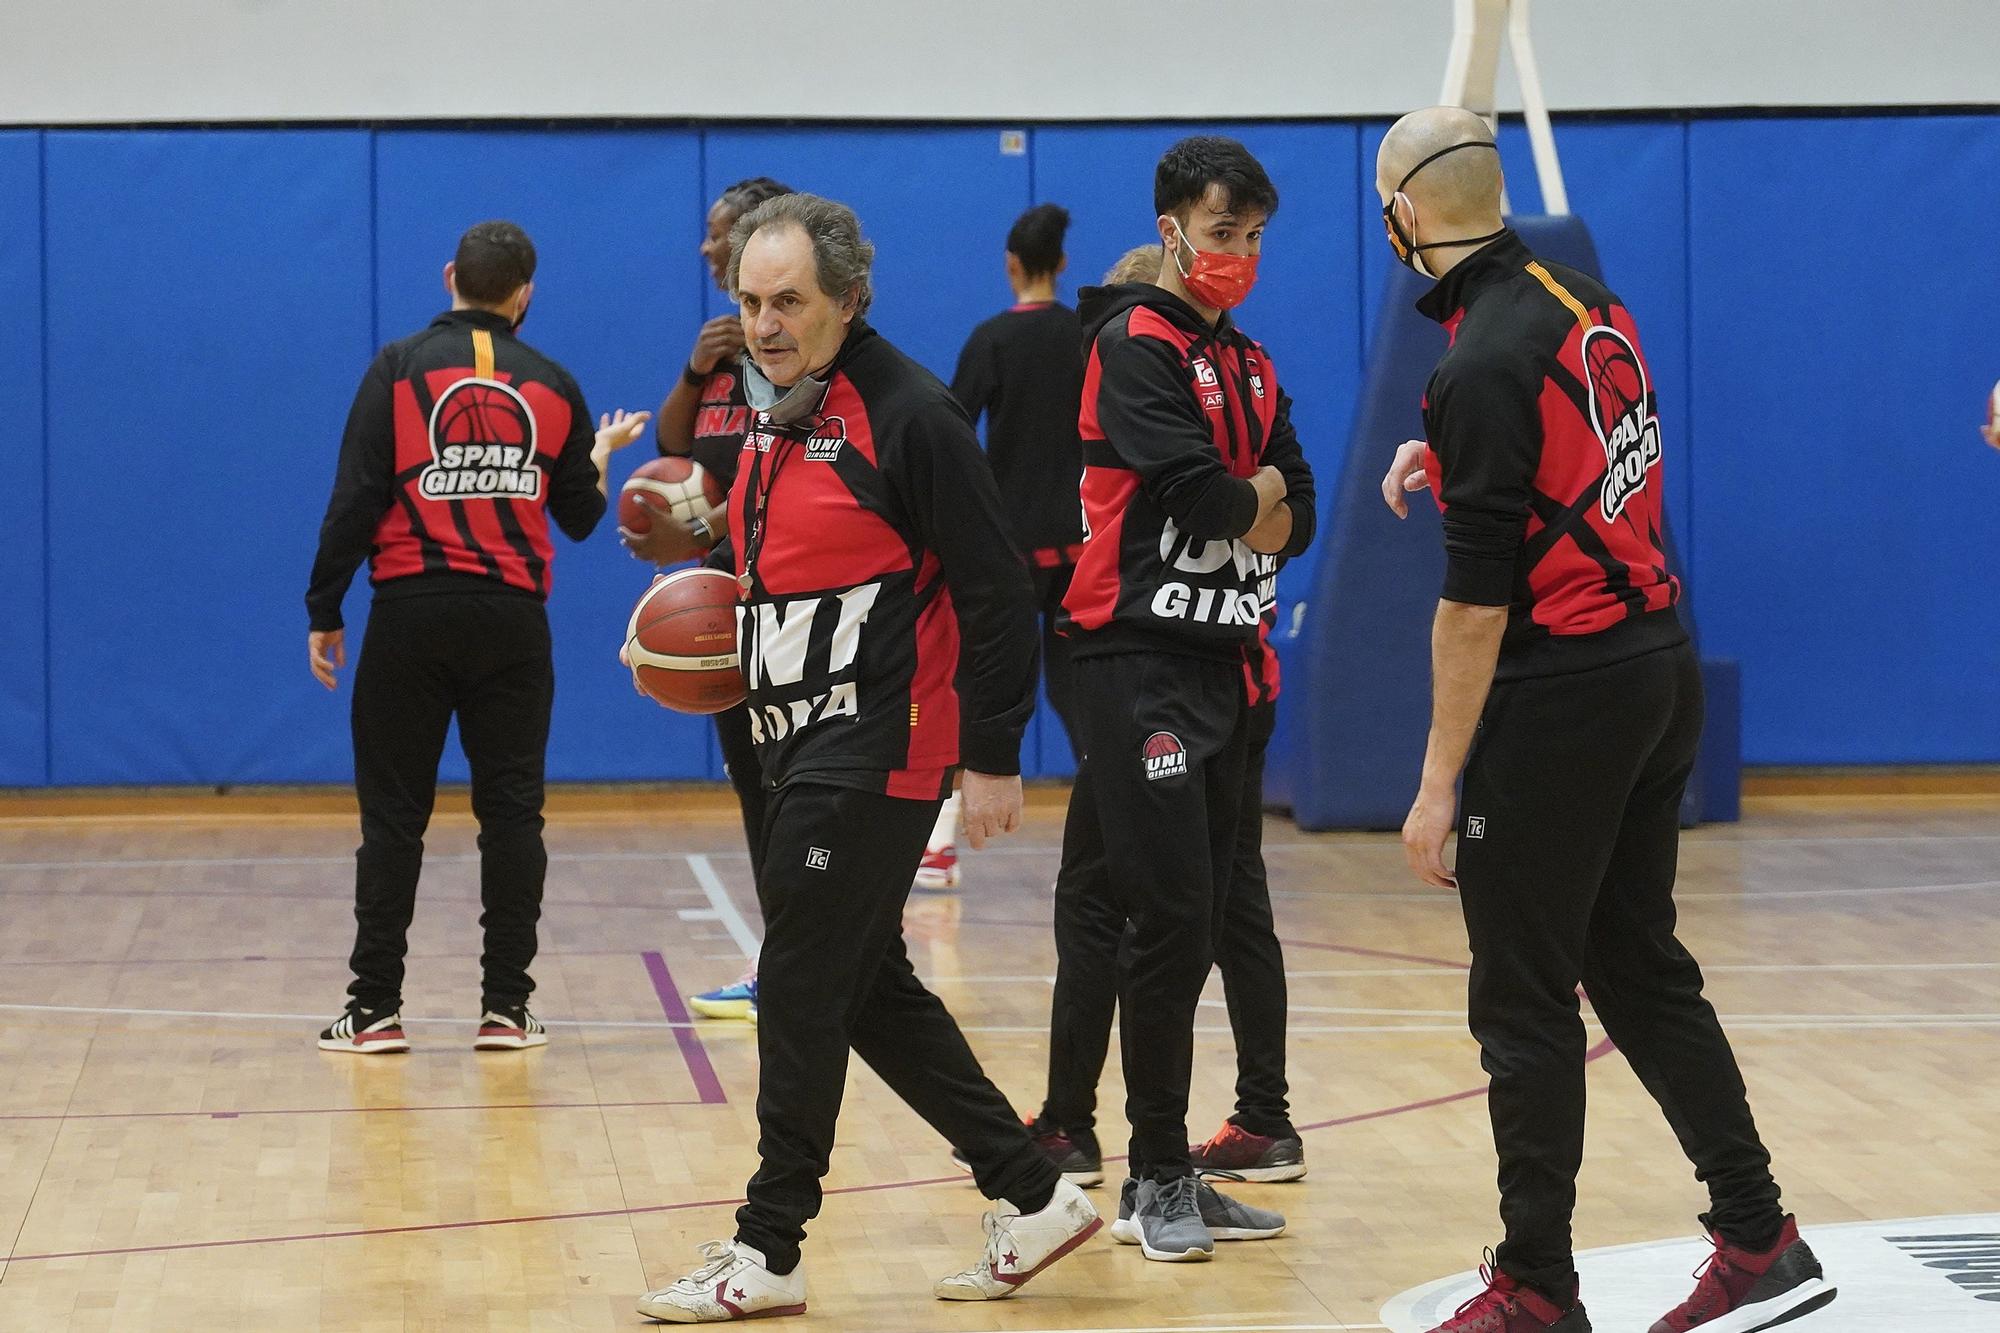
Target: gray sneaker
1125,1231
1168,1216
1230,1219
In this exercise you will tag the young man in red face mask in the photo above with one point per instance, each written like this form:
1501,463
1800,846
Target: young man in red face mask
1193,488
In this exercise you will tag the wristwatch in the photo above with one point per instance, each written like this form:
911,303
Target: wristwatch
692,377
702,532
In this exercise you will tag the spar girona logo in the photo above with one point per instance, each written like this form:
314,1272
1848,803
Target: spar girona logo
482,438
1165,756
1621,414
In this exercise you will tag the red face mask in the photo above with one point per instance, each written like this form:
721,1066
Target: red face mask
1217,280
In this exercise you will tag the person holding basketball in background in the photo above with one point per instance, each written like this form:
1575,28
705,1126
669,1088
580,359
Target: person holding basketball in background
873,560
1023,371
463,442
704,417
1568,694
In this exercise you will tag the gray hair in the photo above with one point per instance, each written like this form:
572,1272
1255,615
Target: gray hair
842,258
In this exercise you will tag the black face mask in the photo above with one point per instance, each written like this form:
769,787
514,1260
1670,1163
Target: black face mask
1408,252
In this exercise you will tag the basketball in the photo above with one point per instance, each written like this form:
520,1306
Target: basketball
681,642
690,490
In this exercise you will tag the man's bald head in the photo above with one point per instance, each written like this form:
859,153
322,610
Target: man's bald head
1458,187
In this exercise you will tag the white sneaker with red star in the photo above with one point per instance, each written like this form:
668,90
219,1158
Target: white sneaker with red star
732,1283
1020,1245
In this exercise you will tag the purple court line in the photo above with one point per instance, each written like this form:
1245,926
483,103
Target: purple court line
1601,1049
692,1051
282,958
1360,952
256,895
338,1110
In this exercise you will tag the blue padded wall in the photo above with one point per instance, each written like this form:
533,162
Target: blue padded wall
207,319
213,295
24,754
1841,275
613,214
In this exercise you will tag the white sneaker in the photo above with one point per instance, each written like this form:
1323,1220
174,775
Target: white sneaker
1020,1245
732,1283
509,1030
365,1032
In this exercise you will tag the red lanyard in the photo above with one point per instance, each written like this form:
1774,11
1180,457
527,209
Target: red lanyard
759,501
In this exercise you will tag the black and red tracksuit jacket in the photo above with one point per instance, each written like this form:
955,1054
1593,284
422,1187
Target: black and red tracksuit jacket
1023,369
1545,459
1176,417
883,557
462,442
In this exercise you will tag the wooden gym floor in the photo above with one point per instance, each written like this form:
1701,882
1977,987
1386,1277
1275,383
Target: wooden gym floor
175,1154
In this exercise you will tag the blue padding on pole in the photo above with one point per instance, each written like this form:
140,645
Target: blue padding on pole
24,752
1358,676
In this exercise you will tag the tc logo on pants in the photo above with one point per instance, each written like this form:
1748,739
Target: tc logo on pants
1165,756
1475,826
817,858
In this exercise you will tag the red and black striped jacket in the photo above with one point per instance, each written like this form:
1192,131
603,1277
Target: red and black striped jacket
462,442
1176,417
1545,457
881,558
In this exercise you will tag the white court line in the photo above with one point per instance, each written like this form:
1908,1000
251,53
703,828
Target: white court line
723,909
1761,895
1346,1010
1768,1022
716,896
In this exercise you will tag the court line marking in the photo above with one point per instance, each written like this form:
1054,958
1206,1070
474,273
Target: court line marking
692,1051
956,1178
242,1114
730,1029
1383,842
722,908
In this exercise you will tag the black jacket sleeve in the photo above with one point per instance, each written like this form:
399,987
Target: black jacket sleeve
977,379
574,500
363,485
954,504
1282,451
1149,418
1485,426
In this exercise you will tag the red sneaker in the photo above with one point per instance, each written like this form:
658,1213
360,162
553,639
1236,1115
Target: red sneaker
1508,1307
1741,1291
1237,1154
939,869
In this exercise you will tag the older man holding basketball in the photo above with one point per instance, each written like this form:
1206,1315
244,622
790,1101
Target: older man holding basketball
870,545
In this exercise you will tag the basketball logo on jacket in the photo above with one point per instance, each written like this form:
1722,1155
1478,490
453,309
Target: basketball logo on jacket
482,438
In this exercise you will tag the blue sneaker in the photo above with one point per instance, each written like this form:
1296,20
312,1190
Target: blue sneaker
736,1000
